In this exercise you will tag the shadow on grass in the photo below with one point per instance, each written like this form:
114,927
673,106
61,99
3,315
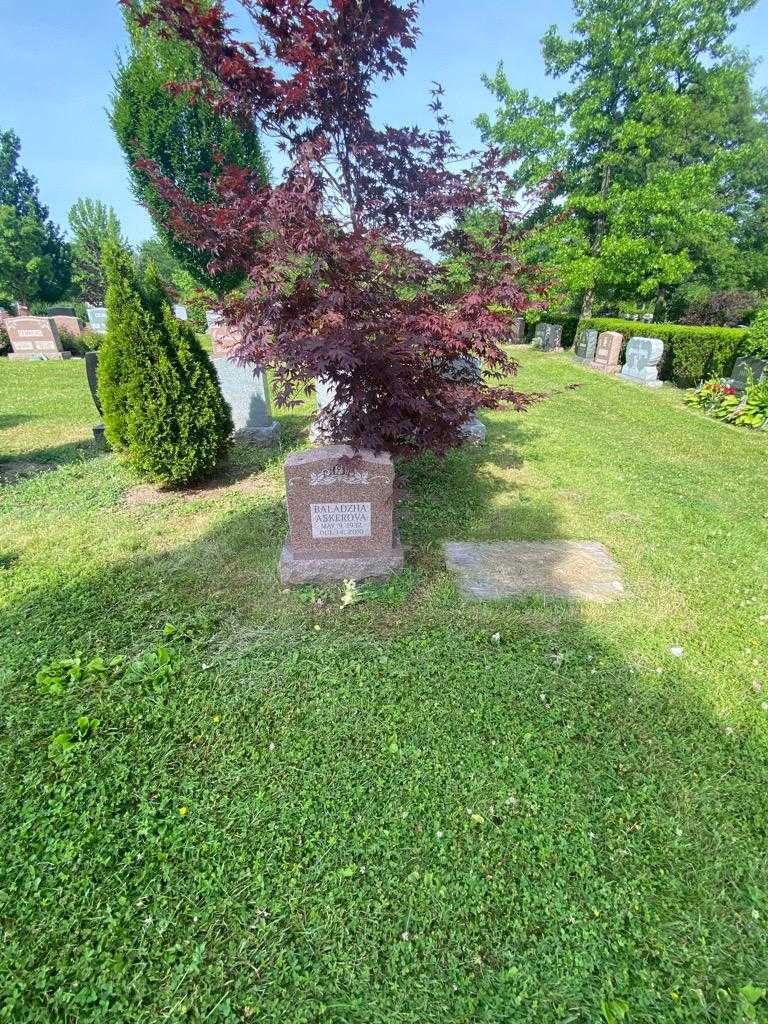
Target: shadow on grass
8,420
539,800
43,460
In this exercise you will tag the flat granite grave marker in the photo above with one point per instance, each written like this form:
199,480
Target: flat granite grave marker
642,361
586,346
97,319
340,516
565,569
739,379
548,337
34,337
608,352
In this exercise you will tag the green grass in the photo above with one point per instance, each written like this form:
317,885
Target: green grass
293,812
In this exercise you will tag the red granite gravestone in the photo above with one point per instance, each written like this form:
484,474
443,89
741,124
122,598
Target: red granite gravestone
68,324
608,352
34,337
340,516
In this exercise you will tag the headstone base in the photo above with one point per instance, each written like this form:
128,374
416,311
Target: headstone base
295,570
264,437
39,357
474,431
640,380
98,435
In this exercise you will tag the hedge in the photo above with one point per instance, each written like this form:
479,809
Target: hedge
691,354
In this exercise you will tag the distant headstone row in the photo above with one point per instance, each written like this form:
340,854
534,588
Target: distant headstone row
602,351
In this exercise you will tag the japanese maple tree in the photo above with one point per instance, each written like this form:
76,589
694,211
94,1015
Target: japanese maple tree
336,286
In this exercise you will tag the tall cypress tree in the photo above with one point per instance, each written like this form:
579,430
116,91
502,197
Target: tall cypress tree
159,391
183,138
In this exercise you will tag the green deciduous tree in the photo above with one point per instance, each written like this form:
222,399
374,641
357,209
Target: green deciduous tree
159,391
646,156
92,223
34,258
188,141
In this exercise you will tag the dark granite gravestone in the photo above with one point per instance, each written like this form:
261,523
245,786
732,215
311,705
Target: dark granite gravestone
740,374
548,337
642,361
340,516
61,311
91,373
586,346
517,333
468,369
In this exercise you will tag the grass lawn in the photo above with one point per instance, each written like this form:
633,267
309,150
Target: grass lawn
277,809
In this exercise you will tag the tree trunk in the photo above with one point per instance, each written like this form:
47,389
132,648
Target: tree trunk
597,240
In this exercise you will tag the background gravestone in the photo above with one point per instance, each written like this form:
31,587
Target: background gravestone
246,392
68,324
586,346
61,311
517,333
608,352
180,312
468,369
92,375
739,379
548,337
224,339
212,319
34,337
97,319
340,516
642,361
325,394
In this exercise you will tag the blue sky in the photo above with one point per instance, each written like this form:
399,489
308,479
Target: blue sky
56,62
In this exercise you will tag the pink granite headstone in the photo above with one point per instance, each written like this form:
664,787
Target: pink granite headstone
224,339
34,337
340,516
608,352
68,324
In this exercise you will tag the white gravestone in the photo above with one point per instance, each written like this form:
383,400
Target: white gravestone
97,318
180,312
642,361
213,319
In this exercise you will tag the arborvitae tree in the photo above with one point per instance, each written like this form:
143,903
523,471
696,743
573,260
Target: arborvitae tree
188,141
161,397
